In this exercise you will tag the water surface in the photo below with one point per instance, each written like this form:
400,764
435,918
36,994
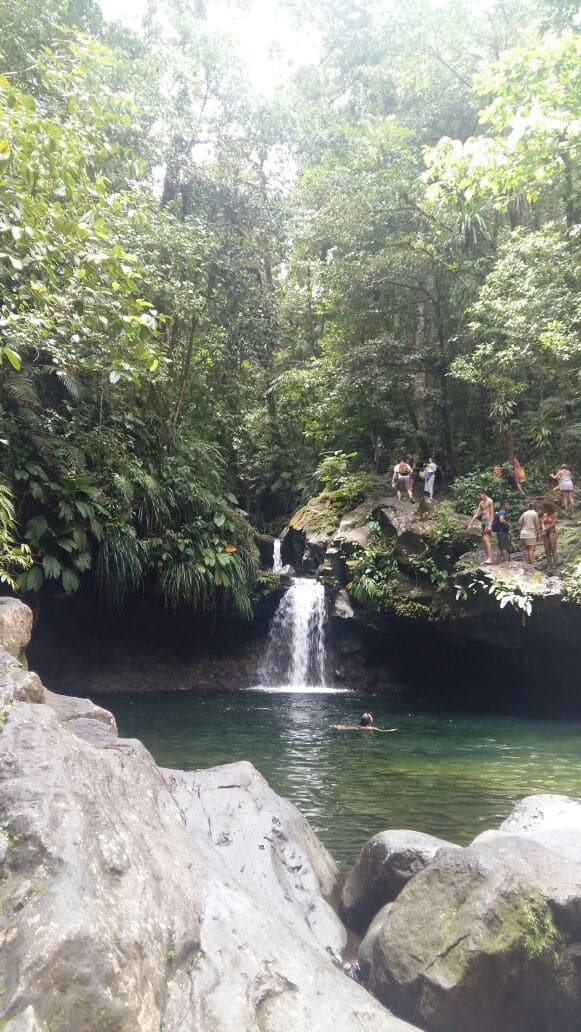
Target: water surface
445,774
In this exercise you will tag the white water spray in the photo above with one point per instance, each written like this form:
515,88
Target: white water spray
277,560
295,650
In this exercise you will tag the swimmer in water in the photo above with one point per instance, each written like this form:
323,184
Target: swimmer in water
365,724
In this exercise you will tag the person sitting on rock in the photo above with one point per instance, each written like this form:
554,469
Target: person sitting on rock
402,479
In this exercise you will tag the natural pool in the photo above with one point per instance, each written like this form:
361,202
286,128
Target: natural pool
450,775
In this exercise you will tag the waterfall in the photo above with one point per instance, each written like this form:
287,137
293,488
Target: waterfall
295,650
277,561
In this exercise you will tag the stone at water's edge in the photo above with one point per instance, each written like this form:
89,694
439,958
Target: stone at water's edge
265,843
15,627
486,937
133,899
385,864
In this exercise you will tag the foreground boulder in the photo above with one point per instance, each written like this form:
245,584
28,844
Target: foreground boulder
133,899
485,938
385,864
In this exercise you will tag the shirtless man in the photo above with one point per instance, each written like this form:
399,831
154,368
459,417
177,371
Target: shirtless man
484,512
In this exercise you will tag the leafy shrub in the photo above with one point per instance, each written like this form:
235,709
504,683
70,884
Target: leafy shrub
443,524
465,488
344,487
572,582
374,578
14,558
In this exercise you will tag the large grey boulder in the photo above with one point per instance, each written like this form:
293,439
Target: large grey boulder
265,843
15,627
99,902
552,820
385,864
482,940
131,901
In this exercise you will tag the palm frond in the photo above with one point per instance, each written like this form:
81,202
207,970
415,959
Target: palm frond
70,383
21,390
119,568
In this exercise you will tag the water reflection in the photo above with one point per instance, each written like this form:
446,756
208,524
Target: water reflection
451,776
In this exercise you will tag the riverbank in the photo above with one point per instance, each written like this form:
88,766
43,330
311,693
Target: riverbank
137,897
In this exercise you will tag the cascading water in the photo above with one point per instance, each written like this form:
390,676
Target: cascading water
277,560
295,650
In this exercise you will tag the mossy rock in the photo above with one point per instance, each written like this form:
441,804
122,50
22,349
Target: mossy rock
471,942
317,516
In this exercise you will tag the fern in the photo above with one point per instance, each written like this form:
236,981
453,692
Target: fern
119,569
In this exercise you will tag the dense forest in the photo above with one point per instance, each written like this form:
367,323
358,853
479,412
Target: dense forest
214,301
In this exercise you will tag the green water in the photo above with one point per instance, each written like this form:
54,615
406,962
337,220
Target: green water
449,775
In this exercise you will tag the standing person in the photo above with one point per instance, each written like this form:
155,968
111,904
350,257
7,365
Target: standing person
502,527
565,478
549,534
430,470
519,475
402,479
485,513
530,533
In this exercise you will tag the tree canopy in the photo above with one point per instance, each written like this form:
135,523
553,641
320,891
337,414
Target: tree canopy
207,293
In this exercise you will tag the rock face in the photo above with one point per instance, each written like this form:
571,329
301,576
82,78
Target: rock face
15,627
133,899
265,843
385,864
486,937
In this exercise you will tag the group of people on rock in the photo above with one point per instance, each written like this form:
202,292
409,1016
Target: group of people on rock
404,472
533,529
563,476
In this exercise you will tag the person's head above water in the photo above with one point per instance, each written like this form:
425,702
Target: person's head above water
366,720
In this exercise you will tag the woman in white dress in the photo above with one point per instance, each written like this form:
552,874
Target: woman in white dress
430,470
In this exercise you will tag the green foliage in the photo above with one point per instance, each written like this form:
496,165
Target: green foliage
504,589
374,577
465,488
427,566
572,582
234,331
442,525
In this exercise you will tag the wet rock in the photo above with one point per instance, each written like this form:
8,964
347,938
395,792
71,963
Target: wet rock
265,544
342,608
333,565
481,940
385,864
